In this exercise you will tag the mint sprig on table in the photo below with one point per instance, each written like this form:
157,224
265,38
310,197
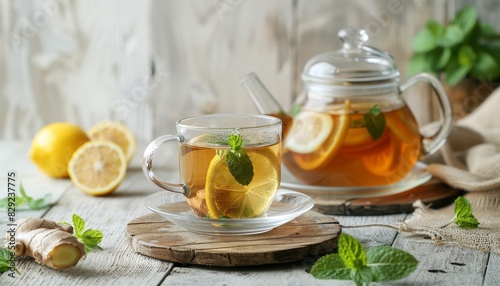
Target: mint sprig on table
353,262
6,257
22,199
90,237
463,214
237,160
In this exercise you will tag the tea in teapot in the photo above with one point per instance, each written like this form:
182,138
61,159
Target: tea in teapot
351,126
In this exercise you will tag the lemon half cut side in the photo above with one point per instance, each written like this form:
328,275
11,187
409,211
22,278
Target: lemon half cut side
98,167
117,133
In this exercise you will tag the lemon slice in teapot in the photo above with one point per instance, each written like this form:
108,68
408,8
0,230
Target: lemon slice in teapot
309,131
316,137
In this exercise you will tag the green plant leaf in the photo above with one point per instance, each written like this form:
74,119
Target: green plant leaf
362,276
440,58
418,63
235,141
463,214
240,166
351,252
330,266
466,56
5,259
485,67
377,264
78,225
455,72
466,19
453,35
388,263
91,239
423,41
436,28
488,32
24,199
237,160
375,122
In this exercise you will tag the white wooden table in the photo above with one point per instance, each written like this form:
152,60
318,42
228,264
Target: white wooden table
117,264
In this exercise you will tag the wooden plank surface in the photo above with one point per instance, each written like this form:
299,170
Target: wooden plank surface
117,264
285,274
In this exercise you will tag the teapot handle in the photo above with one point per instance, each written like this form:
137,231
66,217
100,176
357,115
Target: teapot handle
446,114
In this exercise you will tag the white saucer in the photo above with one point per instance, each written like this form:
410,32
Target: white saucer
416,177
287,205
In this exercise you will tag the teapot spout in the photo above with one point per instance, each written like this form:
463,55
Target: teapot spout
265,102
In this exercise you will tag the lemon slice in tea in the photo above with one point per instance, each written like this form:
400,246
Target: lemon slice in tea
325,146
97,167
309,131
226,197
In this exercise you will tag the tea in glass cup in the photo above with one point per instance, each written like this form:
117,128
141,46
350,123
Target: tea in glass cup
230,164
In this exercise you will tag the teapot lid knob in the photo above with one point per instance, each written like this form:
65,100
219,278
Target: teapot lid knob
353,38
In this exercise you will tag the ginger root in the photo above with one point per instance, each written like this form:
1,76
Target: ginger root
48,242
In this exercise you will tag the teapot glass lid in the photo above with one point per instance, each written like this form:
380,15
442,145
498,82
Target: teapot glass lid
353,63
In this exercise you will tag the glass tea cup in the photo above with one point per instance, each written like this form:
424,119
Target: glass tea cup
229,164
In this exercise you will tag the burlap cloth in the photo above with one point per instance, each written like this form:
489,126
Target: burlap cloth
470,160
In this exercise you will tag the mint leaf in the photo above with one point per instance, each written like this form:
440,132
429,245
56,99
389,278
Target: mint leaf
41,203
5,259
463,214
377,264
388,263
466,19
237,160
330,266
90,237
375,122
423,41
362,276
78,225
23,199
235,141
351,252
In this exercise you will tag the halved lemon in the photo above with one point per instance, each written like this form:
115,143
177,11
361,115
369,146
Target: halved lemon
225,197
97,167
320,138
117,133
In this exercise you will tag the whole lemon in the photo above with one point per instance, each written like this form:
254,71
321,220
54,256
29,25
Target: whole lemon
53,146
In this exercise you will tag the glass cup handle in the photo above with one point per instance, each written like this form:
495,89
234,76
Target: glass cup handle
446,114
147,165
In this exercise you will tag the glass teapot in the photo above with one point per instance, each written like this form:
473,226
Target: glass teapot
351,126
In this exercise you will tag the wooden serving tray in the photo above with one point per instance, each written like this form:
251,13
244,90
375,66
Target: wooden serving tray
310,235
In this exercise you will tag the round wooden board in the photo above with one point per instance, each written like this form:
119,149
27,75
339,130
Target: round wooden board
433,193
310,235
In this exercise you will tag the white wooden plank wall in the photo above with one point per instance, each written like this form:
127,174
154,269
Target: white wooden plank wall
151,62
